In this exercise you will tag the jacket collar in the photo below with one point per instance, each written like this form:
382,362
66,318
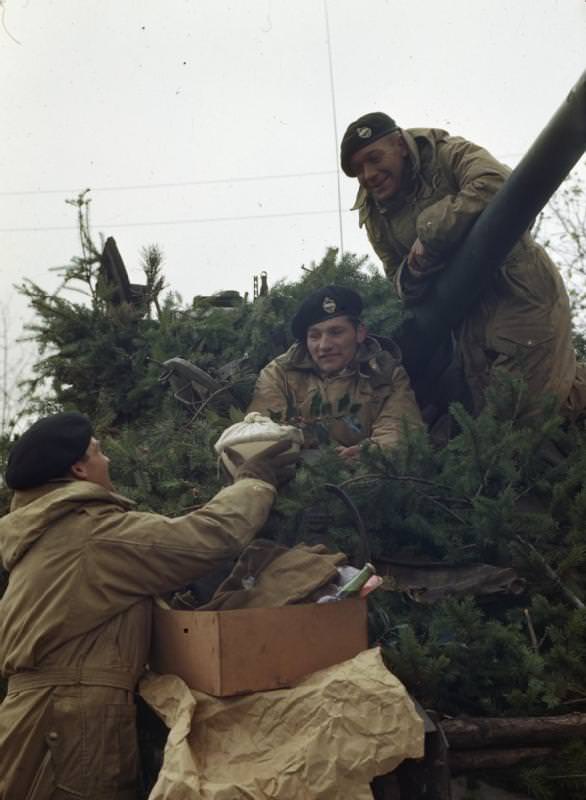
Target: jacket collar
33,511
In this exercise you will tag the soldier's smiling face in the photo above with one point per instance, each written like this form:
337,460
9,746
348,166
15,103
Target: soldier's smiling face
379,166
333,343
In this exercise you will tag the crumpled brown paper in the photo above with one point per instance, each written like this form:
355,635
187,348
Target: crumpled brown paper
324,739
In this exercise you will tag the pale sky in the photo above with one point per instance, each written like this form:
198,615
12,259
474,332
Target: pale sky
206,126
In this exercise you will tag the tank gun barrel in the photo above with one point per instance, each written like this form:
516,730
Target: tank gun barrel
531,184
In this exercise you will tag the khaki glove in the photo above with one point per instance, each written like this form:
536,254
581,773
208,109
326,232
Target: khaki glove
274,465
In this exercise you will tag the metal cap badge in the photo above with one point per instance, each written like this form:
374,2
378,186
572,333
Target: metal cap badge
329,305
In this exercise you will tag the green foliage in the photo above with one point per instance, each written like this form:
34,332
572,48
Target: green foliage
562,776
167,466
508,490
561,227
95,361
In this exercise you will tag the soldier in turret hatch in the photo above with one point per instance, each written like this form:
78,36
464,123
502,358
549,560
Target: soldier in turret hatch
420,192
336,380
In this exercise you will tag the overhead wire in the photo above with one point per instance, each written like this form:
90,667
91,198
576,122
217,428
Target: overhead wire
335,124
183,184
190,221
174,184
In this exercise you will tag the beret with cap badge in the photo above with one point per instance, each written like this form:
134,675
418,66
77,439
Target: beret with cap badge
325,303
362,132
47,449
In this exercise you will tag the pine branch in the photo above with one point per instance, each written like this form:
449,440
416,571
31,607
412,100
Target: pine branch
214,394
445,508
568,593
373,477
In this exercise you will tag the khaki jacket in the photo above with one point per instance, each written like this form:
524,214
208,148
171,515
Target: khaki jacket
523,321
75,625
370,399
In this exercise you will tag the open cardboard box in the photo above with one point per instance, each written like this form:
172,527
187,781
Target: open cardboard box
255,649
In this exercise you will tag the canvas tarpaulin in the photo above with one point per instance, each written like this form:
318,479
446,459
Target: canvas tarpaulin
324,739
429,582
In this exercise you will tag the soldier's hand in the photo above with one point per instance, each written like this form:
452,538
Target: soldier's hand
274,465
417,259
349,453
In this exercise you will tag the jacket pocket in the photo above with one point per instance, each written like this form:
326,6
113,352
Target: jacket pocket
67,740
516,345
95,746
513,338
120,747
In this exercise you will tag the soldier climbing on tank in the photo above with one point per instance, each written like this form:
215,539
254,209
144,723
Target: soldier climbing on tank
420,191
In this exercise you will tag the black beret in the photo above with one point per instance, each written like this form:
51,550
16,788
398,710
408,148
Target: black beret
362,132
47,449
325,303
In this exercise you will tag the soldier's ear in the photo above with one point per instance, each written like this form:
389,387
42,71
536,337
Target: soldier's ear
403,149
78,471
361,332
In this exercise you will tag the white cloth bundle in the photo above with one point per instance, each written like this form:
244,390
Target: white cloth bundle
253,435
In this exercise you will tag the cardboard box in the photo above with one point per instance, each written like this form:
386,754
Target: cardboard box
249,650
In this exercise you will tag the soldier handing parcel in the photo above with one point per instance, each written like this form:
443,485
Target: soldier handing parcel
420,192
337,377
75,617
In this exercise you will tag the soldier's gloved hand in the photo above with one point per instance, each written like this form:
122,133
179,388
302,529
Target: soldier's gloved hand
274,465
